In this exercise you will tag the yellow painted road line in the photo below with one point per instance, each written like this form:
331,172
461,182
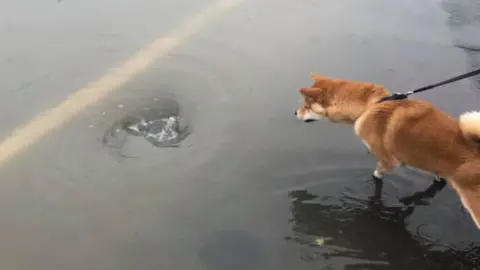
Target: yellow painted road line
24,136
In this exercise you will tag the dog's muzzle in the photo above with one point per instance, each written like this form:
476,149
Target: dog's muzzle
308,117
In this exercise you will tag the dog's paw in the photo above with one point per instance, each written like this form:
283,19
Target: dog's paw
377,176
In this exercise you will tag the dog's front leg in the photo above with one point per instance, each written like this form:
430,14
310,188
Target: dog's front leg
439,179
386,161
383,167
380,171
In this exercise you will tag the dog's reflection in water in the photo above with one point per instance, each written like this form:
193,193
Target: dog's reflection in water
367,234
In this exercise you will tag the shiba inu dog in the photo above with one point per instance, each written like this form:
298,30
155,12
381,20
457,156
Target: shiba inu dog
402,132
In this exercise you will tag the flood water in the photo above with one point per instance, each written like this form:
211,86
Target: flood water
250,187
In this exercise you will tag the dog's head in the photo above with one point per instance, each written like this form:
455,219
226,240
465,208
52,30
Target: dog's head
337,100
313,104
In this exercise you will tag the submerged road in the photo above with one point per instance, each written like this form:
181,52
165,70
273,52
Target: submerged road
251,187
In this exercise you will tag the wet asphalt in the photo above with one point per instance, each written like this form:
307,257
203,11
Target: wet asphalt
251,187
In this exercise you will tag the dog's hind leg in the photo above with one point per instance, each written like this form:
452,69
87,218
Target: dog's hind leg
470,198
466,182
424,197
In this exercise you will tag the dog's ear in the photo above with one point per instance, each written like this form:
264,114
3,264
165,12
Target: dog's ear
317,77
310,91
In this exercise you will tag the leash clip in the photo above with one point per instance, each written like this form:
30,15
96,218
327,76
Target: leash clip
396,96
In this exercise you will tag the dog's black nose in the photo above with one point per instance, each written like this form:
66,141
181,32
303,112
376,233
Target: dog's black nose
295,112
309,120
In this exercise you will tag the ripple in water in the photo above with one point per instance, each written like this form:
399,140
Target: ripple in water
162,126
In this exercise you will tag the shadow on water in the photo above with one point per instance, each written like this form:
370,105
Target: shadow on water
369,234
372,235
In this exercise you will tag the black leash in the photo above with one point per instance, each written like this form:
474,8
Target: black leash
398,96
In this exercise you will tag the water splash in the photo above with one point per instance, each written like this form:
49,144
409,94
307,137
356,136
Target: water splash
163,132
160,125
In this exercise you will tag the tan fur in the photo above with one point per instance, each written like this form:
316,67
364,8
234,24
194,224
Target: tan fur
469,126
411,132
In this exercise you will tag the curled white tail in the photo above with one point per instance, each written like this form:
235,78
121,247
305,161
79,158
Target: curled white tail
470,126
